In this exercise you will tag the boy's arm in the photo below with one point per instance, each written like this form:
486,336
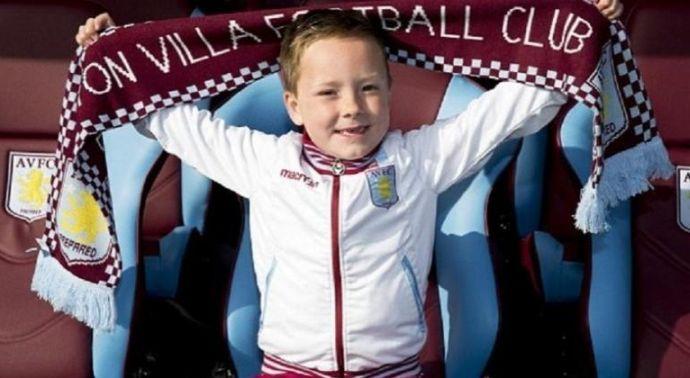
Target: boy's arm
229,155
454,148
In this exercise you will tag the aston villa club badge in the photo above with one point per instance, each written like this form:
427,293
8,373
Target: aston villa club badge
81,226
683,193
28,184
382,186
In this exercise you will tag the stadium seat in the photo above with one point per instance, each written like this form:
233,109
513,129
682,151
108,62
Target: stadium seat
182,194
659,35
585,274
622,332
34,73
463,255
34,340
158,205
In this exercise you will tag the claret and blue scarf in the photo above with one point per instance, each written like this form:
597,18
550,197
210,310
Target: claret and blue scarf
135,70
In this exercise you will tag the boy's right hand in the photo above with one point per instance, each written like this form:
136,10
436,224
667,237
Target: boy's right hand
88,33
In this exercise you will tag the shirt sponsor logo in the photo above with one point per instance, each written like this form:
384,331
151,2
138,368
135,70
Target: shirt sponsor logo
299,176
28,184
382,186
81,226
683,193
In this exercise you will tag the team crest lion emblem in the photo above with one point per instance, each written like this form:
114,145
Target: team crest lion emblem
81,226
28,184
382,186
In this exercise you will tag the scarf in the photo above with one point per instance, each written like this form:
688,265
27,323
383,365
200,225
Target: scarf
135,70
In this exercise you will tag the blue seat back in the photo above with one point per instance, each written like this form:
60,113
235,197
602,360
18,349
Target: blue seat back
467,289
607,293
129,158
610,273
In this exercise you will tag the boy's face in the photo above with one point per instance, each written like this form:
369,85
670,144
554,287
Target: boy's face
342,96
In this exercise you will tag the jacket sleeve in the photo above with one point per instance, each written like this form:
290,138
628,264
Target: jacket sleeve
454,148
232,156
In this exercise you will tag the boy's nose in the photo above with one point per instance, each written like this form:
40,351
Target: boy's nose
351,105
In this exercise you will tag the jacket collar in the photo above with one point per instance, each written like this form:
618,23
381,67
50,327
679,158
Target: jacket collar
327,164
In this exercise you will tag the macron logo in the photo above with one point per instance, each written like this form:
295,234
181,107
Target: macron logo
292,175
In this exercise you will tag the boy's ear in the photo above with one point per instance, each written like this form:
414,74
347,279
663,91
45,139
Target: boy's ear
292,106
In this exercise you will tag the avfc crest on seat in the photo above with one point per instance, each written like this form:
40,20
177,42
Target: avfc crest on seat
683,193
28,184
382,186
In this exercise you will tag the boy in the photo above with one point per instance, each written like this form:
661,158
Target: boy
340,214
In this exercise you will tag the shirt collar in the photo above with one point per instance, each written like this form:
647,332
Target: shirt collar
327,164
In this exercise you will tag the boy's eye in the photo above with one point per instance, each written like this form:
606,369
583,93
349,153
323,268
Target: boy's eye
326,92
370,87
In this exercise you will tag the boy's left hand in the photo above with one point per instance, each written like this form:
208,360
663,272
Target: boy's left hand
611,9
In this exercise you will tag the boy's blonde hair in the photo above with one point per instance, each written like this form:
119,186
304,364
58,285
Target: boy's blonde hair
320,24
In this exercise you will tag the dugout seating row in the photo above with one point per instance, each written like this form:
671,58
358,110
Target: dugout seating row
518,234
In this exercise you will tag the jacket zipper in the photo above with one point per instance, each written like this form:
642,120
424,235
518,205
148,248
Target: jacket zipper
337,284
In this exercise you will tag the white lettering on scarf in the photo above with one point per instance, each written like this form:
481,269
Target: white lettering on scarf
520,25
106,78
114,69
163,66
418,11
276,29
233,26
572,38
395,20
466,26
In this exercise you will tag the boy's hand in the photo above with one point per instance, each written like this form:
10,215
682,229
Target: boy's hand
88,33
611,9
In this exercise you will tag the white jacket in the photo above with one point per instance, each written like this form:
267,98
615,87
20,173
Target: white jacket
340,278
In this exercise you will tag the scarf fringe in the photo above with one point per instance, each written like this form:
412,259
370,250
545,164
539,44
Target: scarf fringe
85,301
625,174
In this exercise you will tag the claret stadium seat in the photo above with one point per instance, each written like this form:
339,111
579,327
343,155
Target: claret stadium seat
629,287
660,38
613,304
581,283
36,46
462,308
33,77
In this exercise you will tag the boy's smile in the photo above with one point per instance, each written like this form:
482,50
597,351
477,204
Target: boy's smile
342,96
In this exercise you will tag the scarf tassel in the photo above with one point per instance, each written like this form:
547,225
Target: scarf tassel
85,301
625,174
